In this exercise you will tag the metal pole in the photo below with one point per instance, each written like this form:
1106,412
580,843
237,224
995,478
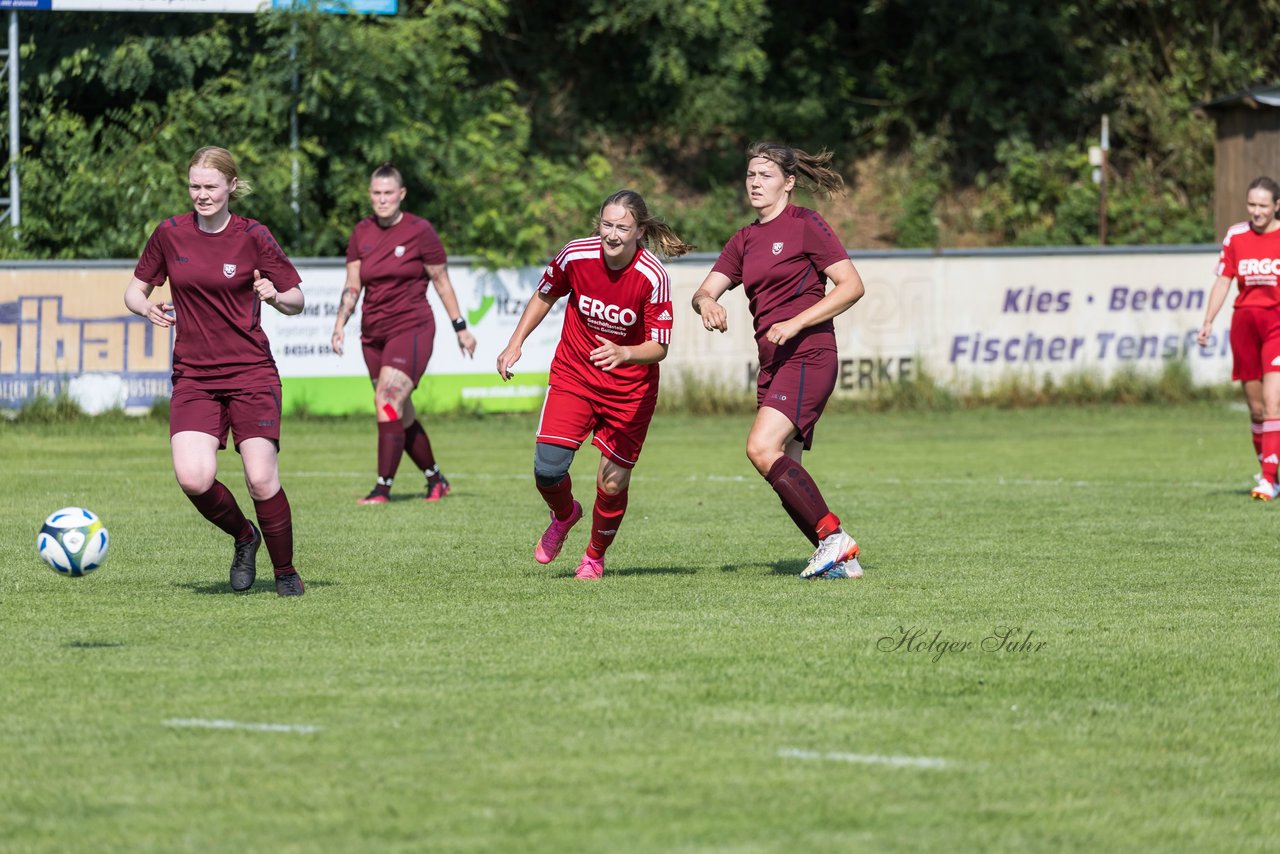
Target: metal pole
295,172
1102,196
15,206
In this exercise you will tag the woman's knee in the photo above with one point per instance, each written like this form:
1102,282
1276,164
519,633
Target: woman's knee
194,481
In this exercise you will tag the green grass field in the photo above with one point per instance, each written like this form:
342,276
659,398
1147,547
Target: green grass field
436,689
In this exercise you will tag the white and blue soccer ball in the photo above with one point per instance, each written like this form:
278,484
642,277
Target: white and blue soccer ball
73,541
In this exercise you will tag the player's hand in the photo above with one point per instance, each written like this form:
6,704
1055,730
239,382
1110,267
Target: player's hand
781,333
714,317
339,336
467,343
158,314
264,288
506,359
1203,338
609,354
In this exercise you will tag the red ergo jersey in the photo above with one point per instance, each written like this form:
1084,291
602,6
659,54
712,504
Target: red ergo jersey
779,264
1253,260
392,270
219,342
627,306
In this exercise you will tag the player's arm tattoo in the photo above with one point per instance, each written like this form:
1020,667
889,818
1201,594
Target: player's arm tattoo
348,304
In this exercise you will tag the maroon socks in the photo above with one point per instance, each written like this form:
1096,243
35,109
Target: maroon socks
275,519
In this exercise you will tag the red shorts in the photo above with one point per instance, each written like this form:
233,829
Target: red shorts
408,353
799,388
568,418
1255,343
249,413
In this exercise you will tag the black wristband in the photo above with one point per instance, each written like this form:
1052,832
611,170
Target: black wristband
459,324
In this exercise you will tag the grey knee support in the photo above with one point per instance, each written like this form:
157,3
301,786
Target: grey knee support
550,463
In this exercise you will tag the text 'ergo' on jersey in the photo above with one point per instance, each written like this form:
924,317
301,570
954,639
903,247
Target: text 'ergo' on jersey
1253,260
627,306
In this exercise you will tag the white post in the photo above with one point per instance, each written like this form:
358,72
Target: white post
1102,195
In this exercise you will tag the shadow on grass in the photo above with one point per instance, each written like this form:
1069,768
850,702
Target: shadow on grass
788,567
651,570
262,585
419,497
93,644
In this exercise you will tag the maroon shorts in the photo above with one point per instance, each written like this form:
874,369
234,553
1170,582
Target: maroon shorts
1255,343
248,413
568,418
407,352
799,388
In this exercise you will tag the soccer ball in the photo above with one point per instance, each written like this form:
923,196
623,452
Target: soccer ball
73,541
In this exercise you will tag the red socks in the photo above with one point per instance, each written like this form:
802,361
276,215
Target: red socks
219,506
559,497
275,519
606,518
1270,449
1256,429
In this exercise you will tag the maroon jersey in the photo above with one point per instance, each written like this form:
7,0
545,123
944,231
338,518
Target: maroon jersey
627,306
779,264
393,271
1253,260
219,342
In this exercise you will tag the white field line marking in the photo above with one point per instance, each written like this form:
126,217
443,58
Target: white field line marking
199,723
867,758
751,479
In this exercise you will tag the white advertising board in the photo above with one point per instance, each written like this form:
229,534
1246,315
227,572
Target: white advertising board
966,318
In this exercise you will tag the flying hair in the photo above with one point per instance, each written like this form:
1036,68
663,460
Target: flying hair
657,236
213,157
810,170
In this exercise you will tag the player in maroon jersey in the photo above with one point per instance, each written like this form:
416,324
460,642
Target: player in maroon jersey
221,269
604,376
1251,255
391,255
784,261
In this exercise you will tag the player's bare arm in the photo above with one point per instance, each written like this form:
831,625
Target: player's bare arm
288,302
1217,296
535,311
346,305
706,302
611,354
847,289
137,298
439,276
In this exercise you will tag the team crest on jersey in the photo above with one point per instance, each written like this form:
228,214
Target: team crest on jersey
228,270
399,251
777,248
